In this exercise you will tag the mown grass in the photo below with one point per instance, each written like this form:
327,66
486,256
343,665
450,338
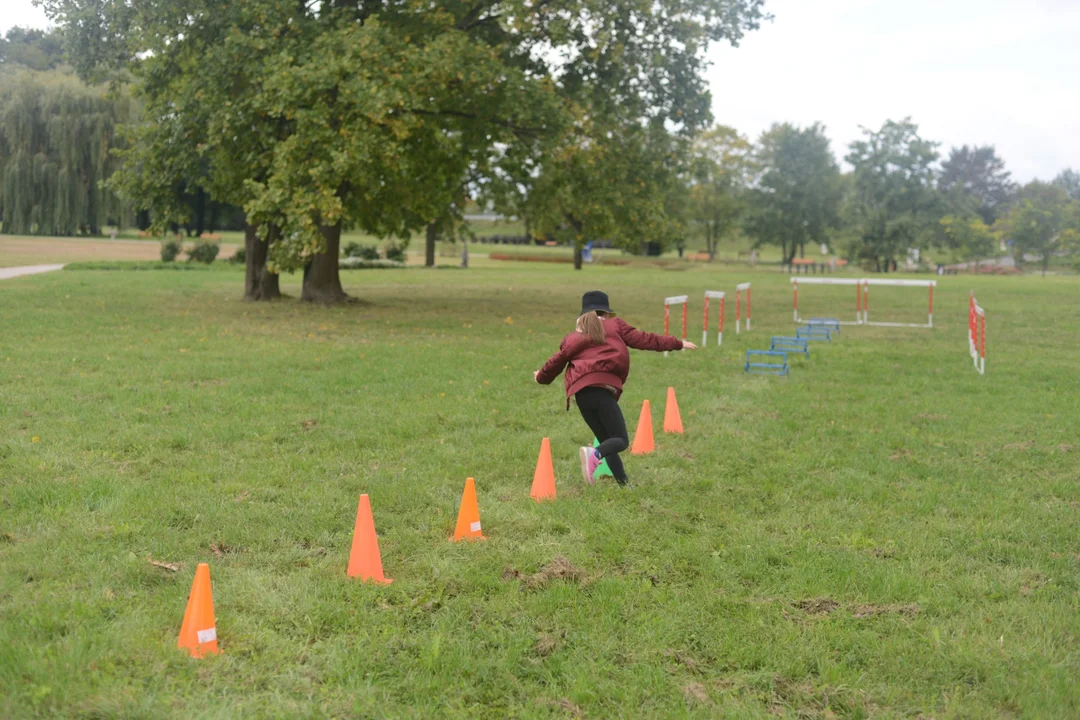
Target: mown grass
883,534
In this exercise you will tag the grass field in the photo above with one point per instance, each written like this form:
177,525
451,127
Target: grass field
883,534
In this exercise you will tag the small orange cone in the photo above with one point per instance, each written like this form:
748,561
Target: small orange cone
364,560
198,633
643,437
672,419
543,487
468,519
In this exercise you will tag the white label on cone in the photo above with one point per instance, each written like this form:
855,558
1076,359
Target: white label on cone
206,636
475,527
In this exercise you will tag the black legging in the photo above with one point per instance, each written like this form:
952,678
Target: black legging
604,417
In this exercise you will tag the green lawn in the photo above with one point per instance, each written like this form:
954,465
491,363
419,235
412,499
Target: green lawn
883,534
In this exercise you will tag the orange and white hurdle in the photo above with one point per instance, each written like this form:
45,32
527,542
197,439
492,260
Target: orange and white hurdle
977,334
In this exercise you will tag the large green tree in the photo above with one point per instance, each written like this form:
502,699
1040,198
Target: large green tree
1069,181
721,167
797,193
894,202
1044,222
56,138
979,175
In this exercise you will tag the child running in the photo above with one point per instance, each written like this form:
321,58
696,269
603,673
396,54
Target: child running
597,363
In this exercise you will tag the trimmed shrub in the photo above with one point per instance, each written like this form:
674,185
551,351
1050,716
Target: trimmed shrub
204,252
169,250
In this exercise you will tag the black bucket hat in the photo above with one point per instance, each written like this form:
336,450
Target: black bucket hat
597,301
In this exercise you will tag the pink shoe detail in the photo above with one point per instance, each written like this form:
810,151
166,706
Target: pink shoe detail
589,463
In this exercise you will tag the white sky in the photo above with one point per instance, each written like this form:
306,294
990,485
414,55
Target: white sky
999,72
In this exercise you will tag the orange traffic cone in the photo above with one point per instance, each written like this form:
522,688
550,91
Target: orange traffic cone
468,519
672,419
543,487
643,437
364,560
198,633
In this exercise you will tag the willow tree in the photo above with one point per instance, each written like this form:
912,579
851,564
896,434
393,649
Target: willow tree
56,138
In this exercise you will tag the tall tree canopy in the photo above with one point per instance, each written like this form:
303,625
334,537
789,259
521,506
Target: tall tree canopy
323,115
1044,222
797,194
31,48
721,167
894,202
1069,181
56,137
978,174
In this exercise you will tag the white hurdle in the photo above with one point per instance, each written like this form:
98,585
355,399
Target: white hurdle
929,284
977,334
675,300
713,295
828,281
862,298
738,295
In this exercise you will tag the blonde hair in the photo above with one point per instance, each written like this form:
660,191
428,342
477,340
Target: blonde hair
591,324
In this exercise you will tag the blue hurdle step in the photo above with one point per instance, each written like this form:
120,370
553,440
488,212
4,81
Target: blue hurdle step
814,333
831,323
790,344
764,368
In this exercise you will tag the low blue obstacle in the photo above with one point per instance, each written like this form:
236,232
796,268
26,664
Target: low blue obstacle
766,368
830,323
790,344
812,332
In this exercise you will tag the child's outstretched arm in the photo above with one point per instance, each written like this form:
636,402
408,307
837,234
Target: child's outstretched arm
641,340
557,362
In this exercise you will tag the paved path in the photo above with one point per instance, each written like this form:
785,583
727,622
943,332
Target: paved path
6,273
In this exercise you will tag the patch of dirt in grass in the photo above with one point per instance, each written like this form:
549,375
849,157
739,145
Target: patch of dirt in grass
870,610
1025,445
7,538
931,416
309,424
817,606
681,658
901,454
883,553
221,549
568,707
1064,448
695,693
171,567
547,644
558,569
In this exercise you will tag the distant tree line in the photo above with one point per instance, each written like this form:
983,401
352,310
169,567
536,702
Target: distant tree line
787,190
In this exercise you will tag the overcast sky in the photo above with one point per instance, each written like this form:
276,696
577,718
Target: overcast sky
999,72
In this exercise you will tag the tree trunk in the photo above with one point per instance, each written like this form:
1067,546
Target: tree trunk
259,283
1045,263
323,282
432,236
577,256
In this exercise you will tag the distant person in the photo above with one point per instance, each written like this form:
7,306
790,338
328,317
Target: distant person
597,363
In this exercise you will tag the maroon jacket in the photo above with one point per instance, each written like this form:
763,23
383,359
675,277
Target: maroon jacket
589,365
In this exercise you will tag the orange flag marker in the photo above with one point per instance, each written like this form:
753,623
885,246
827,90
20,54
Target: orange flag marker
364,559
543,487
643,436
198,633
468,519
672,419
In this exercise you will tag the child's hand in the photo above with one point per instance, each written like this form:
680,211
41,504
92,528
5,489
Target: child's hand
687,345
536,373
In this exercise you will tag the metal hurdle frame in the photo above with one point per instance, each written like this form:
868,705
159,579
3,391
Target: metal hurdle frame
862,298
713,295
738,296
683,300
977,334
929,284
